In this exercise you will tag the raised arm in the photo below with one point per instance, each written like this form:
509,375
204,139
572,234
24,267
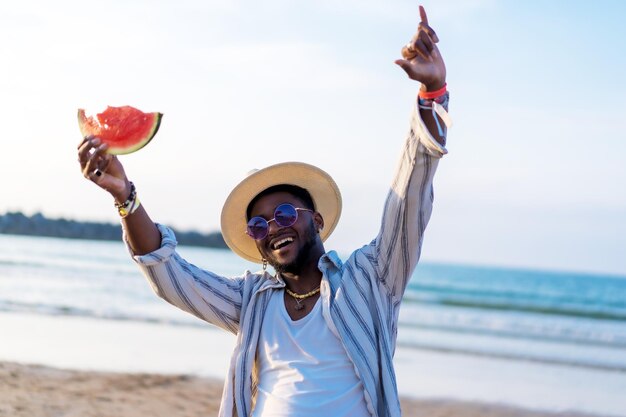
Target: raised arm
396,250
208,296
107,172
422,62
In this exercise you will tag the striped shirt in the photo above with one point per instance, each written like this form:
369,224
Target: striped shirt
360,297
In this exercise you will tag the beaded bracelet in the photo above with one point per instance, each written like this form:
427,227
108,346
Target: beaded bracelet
131,204
125,212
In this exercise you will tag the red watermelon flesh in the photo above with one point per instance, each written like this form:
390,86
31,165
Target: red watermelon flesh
125,129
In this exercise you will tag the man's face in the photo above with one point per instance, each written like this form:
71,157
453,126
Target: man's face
286,248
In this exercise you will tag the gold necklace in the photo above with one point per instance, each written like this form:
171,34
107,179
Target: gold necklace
300,297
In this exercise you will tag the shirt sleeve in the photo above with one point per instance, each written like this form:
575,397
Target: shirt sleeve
396,249
206,295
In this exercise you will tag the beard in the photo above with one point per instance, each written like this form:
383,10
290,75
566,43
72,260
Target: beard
295,266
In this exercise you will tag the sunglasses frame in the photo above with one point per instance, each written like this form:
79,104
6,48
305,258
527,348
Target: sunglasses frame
267,222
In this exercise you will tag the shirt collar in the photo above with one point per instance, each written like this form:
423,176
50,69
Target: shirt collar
329,259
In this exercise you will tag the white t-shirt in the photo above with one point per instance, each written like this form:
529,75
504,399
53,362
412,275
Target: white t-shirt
303,368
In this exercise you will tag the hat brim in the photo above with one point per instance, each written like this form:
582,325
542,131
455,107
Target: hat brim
318,183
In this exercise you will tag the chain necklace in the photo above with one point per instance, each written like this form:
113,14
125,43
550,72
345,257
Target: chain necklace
301,297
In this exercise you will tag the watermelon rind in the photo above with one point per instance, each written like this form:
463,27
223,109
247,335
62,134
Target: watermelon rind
82,123
117,150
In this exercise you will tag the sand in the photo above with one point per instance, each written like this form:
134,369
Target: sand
38,391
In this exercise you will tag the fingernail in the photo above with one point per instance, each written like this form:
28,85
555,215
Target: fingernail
98,172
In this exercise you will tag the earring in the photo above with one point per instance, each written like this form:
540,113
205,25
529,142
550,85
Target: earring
264,264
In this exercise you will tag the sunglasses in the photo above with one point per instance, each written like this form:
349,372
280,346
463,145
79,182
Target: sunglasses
285,215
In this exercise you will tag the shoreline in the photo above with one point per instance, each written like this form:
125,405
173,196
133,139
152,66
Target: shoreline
30,390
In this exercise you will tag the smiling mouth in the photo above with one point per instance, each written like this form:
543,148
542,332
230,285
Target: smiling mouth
281,243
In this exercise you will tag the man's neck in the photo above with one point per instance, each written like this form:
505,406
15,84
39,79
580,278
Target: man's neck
308,277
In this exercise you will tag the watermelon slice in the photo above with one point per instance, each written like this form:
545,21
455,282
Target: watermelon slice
125,129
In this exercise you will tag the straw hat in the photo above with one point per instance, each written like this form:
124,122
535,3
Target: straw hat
319,184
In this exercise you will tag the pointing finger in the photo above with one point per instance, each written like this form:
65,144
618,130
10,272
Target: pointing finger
424,26
423,17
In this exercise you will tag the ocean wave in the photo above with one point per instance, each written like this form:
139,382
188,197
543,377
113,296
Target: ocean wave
537,333
518,356
613,296
23,263
597,310
72,311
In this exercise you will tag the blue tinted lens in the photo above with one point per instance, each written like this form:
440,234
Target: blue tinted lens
257,228
285,215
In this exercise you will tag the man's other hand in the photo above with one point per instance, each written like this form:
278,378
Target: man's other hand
421,59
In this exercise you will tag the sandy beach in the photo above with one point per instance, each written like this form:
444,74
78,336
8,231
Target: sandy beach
38,391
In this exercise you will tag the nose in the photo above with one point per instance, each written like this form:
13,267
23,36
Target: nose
272,228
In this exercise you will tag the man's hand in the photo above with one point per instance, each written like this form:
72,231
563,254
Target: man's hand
102,168
421,58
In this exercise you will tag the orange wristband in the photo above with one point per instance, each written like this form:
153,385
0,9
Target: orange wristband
429,95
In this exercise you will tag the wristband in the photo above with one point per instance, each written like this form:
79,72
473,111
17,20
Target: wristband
429,95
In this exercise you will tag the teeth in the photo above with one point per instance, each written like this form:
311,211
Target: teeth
282,241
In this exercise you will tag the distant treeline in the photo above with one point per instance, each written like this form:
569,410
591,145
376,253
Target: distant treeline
17,223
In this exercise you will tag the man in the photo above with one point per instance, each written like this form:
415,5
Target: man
318,337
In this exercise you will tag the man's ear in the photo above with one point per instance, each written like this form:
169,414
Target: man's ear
319,221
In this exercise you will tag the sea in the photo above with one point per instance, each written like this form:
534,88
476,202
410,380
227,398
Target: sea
565,318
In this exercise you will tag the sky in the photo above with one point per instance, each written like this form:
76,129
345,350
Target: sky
534,177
